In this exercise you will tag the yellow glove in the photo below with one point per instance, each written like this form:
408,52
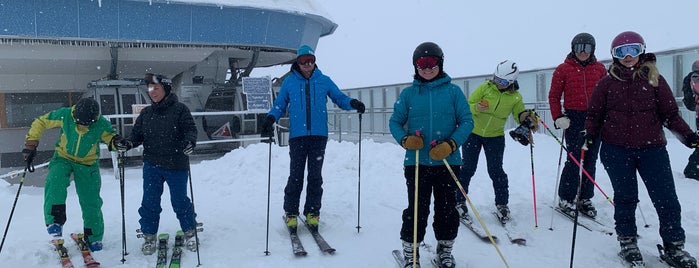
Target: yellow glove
443,149
412,142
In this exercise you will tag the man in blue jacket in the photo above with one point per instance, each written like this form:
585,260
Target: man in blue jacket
305,94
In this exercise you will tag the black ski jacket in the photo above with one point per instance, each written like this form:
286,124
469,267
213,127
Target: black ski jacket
164,129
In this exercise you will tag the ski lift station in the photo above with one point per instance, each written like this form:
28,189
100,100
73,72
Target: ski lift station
54,52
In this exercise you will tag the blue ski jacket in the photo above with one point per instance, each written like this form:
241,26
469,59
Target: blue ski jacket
439,110
306,100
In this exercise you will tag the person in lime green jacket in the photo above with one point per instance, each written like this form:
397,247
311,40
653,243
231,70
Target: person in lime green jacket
491,104
76,152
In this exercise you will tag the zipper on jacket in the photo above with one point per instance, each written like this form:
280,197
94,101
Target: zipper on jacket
308,105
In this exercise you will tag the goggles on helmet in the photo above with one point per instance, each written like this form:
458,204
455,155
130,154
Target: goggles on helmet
579,48
632,50
426,62
501,82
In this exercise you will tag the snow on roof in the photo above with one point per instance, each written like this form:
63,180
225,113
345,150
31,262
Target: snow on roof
300,6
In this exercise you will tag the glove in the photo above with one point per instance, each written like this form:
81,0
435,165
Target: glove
440,150
358,105
29,151
528,119
482,105
691,140
521,134
562,122
121,145
188,148
267,128
412,142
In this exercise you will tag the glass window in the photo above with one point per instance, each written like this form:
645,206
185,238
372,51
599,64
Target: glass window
23,108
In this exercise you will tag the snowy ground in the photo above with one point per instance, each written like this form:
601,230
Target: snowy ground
231,200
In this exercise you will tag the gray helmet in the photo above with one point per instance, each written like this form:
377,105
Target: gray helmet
583,38
86,112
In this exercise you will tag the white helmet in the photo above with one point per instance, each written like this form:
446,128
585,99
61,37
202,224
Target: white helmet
507,70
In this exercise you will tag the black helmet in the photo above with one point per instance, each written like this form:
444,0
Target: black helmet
428,49
86,112
159,79
583,38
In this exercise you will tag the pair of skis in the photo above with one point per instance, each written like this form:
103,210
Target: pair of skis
176,250
296,244
584,221
512,235
59,245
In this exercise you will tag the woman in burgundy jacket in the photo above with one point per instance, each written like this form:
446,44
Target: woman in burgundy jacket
628,109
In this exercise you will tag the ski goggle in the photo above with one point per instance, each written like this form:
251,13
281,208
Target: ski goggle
306,59
501,82
632,50
695,78
426,62
579,48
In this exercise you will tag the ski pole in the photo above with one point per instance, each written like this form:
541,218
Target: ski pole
645,223
269,181
572,157
558,179
577,204
359,175
9,220
475,211
196,235
531,157
120,165
417,165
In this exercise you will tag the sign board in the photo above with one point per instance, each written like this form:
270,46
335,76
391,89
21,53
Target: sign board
258,91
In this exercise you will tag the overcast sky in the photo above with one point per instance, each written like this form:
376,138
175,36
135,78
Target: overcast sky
374,42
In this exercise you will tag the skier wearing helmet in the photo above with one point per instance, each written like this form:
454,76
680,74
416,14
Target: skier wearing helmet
628,110
491,104
76,152
690,87
573,80
430,120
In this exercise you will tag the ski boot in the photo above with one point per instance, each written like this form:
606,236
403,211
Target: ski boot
503,213
291,220
444,258
586,208
629,250
55,229
190,240
675,256
312,219
149,244
463,212
408,257
566,207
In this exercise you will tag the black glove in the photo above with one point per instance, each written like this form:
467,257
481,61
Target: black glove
121,145
29,151
358,105
588,140
188,148
691,140
521,134
267,127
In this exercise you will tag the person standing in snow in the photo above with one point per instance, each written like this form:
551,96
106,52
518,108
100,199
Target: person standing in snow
305,94
168,134
628,109
690,87
76,152
491,104
574,80
438,110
